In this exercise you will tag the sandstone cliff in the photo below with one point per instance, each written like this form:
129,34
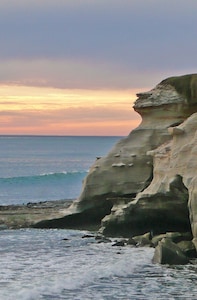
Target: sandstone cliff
168,203
148,179
127,169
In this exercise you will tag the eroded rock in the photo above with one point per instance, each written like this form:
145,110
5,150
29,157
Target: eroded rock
154,169
143,240
188,248
176,237
168,203
157,212
168,252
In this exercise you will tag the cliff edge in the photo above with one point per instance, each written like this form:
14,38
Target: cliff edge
147,181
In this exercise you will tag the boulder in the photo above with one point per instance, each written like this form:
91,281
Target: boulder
131,242
169,253
177,237
143,240
157,238
188,248
174,236
120,243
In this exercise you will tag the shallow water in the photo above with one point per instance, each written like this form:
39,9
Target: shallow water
39,264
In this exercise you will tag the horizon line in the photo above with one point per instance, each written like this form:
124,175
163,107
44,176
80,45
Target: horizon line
53,135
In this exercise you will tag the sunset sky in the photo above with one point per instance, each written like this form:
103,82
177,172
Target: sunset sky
73,67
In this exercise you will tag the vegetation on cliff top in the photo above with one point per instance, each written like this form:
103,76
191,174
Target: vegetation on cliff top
185,85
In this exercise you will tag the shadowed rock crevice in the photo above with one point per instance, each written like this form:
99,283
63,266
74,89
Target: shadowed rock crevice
89,219
156,213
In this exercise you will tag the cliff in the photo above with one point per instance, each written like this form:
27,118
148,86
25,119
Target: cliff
166,204
147,182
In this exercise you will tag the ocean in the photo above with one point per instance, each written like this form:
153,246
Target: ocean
55,264
44,168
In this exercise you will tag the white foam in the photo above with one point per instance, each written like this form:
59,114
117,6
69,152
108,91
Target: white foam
39,264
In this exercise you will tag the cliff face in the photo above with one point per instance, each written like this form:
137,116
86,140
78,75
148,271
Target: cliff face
127,169
148,181
169,202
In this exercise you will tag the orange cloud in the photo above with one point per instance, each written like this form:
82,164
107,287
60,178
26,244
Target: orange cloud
34,110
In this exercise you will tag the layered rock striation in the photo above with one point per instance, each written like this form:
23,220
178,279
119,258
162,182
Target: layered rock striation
147,182
168,203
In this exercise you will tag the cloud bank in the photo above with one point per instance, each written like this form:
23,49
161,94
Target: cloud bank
96,44
72,66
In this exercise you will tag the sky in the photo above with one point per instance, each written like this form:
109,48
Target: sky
73,67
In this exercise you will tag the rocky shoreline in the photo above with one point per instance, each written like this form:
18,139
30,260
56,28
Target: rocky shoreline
170,248
24,216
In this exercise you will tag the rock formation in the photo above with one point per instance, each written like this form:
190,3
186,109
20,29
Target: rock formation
148,181
127,169
168,203
169,253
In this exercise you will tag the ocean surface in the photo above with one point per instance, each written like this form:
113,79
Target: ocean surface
40,168
60,264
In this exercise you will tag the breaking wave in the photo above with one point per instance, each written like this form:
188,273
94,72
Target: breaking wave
42,187
74,175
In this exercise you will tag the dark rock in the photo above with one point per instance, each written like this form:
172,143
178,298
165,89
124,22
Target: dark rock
99,237
104,240
156,239
176,237
168,252
86,236
132,242
188,248
120,243
89,219
143,240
